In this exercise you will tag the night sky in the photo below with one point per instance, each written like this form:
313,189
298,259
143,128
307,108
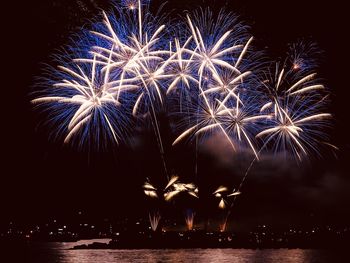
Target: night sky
41,178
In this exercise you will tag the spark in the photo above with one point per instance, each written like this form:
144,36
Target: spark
133,5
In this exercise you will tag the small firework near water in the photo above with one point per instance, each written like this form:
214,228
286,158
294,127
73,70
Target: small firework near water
202,72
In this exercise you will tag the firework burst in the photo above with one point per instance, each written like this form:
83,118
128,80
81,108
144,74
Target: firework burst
297,126
222,193
217,53
207,77
296,102
82,104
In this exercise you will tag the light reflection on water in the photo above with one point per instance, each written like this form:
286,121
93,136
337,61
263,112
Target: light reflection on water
59,253
189,255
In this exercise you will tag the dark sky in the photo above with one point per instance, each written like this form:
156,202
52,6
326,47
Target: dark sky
41,178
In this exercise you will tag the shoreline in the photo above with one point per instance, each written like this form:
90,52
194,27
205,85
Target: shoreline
220,240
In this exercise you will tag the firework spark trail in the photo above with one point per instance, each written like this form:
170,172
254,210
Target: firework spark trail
292,131
296,117
217,59
189,219
222,193
139,61
214,56
94,95
152,78
154,219
229,211
296,101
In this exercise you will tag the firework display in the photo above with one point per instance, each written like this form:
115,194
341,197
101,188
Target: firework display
203,71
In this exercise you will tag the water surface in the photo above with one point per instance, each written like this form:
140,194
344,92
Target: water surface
60,253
